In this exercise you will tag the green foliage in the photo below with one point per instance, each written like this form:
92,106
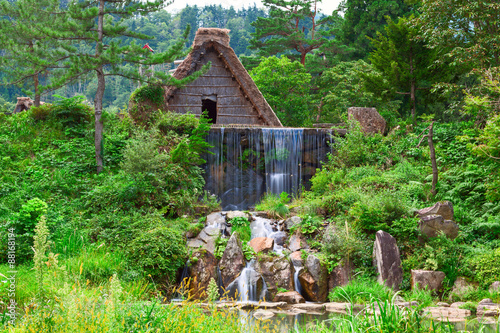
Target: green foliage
141,154
29,215
248,251
274,206
179,123
309,225
241,225
151,92
285,85
486,267
160,252
71,112
361,290
220,247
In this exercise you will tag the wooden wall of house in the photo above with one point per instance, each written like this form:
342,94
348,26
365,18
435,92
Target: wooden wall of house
232,106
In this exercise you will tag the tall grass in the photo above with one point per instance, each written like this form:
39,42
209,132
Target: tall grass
361,291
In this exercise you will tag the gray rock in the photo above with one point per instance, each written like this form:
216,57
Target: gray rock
488,309
328,235
432,280
432,225
369,119
263,314
279,237
292,221
260,305
444,208
443,313
387,260
314,280
461,287
235,213
215,219
495,287
310,307
485,301
297,242
206,239
456,305
277,272
443,304
291,297
232,261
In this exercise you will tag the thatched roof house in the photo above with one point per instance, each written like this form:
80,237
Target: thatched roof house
226,91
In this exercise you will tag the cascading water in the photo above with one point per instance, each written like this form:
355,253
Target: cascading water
296,281
283,158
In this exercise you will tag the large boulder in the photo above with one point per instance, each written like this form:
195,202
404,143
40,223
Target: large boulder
203,269
314,280
430,280
277,272
444,208
297,242
262,244
232,261
369,119
291,297
433,225
387,260
339,276
205,239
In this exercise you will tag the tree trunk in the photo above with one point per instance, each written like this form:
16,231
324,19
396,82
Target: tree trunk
433,159
101,82
37,90
303,58
412,88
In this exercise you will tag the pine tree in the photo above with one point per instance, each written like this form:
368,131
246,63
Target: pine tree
27,30
292,25
99,28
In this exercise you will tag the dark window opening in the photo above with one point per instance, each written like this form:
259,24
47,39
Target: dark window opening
210,106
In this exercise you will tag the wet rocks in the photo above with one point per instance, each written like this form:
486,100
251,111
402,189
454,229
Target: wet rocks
277,272
432,280
203,269
235,213
447,313
387,260
486,308
296,258
233,260
291,297
369,119
262,244
279,237
263,314
215,219
314,280
297,242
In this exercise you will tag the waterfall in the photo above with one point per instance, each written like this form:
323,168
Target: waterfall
247,162
179,294
283,156
296,281
247,289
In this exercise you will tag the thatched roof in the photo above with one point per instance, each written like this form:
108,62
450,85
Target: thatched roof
24,103
210,39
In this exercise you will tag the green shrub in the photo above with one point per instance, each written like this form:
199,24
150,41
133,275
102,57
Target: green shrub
160,252
141,154
71,112
487,269
176,122
274,205
361,290
41,112
241,225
